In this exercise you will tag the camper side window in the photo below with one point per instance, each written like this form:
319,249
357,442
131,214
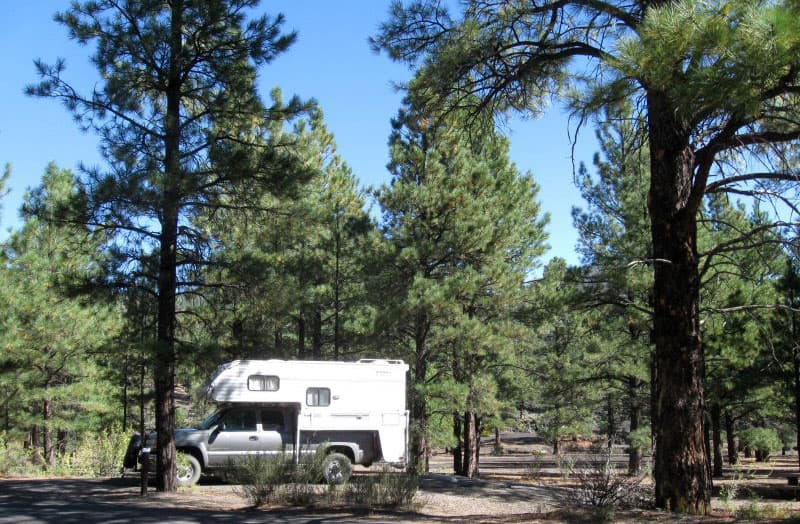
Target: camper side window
318,397
263,383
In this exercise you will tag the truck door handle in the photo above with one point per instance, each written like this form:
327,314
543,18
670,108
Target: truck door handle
253,438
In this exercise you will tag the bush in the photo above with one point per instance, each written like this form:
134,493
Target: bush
260,477
96,454
386,490
276,479
14,458
603,485
762,440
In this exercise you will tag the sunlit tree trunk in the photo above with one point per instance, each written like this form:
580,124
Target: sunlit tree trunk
683,483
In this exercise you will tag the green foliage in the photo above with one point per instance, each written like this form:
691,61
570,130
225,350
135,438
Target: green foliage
763,440
276,479
386,489
95,454
57,323
87,454
15,459
463,230
261,477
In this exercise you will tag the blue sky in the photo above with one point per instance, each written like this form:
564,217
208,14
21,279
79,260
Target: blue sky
331,62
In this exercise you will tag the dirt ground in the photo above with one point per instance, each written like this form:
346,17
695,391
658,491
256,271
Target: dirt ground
526,484
523,483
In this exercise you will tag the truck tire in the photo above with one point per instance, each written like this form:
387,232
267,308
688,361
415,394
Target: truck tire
188,469
337,468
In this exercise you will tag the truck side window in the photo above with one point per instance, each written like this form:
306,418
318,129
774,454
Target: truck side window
271,419
263,383
318,397
240,420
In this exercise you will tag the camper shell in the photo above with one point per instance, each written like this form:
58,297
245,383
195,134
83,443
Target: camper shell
355,411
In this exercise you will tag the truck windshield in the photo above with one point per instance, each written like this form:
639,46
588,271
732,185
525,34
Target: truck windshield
212,420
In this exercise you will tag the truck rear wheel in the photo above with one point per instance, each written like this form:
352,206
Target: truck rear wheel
337,468
188,469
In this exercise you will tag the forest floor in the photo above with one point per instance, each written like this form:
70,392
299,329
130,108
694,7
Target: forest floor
523,483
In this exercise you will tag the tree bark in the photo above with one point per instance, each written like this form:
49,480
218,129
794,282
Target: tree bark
458,449
682,480
730,436
36,452
48,444
635,454
168,263
419,409
471,444
716,432
316,335
301,336
612,425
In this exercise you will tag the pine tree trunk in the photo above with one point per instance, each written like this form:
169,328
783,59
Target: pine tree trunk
730,436
61,442
316,335
471,442
458,449
165,360
716,431
48,445
35,442
419,409
612,428
682,481
301,336
796,378
635,454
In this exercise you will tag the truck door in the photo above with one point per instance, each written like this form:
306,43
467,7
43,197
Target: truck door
235,436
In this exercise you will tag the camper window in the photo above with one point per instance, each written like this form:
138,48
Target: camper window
263,383
318,397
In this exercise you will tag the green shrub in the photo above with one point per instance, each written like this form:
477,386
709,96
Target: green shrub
96,455
15,459
762,440
259,477
275,479
385,490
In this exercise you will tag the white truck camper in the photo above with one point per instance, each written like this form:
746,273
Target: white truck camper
355,410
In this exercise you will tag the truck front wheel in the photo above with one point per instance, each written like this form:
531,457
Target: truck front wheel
188,469
337,468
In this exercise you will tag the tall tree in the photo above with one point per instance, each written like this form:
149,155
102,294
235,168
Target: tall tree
718,84
613,239
181,124
53,327
296,269
464,229
784,339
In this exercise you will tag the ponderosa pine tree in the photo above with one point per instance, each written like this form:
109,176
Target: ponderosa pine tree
288,276
53,327
181,125
718,84
784,338
464,230
613,240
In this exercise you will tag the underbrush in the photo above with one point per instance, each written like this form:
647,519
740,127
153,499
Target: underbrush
606,488
90,455
277,480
